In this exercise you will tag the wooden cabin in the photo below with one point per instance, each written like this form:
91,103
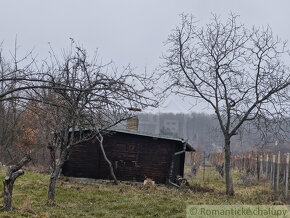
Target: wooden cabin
135,156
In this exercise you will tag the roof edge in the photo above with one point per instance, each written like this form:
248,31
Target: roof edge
188,146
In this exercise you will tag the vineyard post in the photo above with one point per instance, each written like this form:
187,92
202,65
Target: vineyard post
287,176
267,166
273,171
243,167
258,167
278,173
203,166
261,165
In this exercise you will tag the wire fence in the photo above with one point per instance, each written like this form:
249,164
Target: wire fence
199,169
192,164
273,167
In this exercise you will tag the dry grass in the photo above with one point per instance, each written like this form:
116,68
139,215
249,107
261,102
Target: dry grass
77,200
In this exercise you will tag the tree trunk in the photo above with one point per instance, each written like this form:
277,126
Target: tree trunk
8,188
12,174
52,183
56,169
100,139
228,174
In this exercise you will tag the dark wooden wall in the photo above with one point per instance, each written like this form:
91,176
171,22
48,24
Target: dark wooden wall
134,158
83,161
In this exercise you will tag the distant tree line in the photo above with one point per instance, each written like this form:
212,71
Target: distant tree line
203,133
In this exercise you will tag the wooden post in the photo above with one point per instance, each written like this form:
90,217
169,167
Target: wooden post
254,164
261,165
244,164
249,164
278,172
267,166
203,166
287,175
258,167
273,171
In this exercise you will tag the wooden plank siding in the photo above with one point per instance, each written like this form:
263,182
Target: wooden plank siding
134,158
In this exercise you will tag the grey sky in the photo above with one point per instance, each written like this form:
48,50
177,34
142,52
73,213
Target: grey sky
126,31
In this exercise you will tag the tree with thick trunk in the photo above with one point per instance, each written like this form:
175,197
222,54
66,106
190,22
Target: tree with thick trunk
228,174
85,99
13,172
56,166
237,72
72,95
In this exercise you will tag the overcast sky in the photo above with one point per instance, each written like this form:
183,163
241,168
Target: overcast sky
126,31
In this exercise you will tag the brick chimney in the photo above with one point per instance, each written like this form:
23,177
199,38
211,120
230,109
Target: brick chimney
132,123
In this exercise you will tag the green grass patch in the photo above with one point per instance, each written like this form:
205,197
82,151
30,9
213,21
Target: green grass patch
104,200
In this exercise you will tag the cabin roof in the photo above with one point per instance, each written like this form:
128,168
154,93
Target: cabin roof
132,132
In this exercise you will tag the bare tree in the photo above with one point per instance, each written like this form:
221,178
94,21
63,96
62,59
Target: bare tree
72,95
11,70
85,99
13,172
239,72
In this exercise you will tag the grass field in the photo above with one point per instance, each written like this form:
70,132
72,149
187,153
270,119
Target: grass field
104,200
